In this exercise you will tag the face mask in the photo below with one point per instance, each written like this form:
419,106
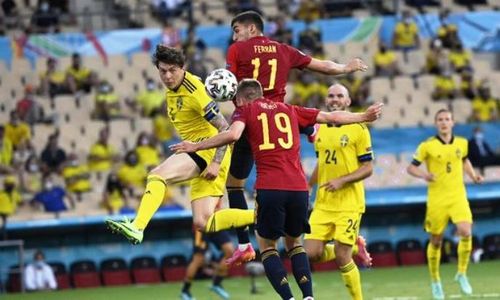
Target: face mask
44,6
49,185
407,20
74,163
479,136
144,141
150,86
132,160
105,88
33,168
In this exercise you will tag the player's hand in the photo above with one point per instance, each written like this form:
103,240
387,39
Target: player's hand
211,171
429,177
373,112
478,179
333,185
356,64
183,147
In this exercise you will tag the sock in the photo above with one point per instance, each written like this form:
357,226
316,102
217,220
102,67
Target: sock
186,287
301,270
217,280
276,273
352,280
463,250
150,201
433,261
355,249
236,198
328,253
229,218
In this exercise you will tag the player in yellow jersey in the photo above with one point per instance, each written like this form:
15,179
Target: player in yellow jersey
445,157
196,117
344,160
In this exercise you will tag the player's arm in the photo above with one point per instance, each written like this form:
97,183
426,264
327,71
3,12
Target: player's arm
219,122
313,180
414,170
345,117
364,171
469,170
331,68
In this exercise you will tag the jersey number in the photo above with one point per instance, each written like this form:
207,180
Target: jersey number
448,167
283,124
331,156
353,225
274,69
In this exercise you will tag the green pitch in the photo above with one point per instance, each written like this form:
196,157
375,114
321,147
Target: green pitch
404,283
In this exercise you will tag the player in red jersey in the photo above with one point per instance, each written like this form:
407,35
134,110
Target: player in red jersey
255,56
272,129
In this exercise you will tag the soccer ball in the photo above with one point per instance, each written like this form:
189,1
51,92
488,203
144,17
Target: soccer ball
221,85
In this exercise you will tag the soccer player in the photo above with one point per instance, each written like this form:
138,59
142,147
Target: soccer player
272,129
252,55
196,117
201,240
344,160
445,157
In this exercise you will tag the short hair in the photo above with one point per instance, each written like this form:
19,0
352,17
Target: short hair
249,89
168,55
442,110
249,17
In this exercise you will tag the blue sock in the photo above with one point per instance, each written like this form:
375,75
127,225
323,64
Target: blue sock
237,200
301,270
276,273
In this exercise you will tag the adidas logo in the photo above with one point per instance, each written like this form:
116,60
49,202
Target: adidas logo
284,281
303,280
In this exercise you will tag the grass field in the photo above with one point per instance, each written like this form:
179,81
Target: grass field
408,283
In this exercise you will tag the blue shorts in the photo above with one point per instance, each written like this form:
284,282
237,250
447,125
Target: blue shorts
242,159
201,240
281,213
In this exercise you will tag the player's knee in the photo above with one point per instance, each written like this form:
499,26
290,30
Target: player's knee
314,253
464,232
200,222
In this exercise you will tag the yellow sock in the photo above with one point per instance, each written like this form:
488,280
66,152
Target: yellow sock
352,280
229,218
463,251
150,201
328,253
355,249
433,261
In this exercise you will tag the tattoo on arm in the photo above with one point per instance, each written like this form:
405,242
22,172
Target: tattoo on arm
219,122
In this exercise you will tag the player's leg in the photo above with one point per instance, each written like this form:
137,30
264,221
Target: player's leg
197,261
223,242
322,230
175,168
270,225
461,216
296,224
436,220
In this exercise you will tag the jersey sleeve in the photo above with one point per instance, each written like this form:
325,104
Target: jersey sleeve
465,150
206,107
298,59
231,57
420,154
305,116
364,145
240,114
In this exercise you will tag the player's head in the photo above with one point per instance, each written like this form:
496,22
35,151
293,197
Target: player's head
246,25
170,62
337,98
444,121
248,90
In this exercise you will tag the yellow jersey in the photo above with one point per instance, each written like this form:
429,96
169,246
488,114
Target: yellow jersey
77,178
9,202
80,74
163,128
6,151
405,34
484,109
104,155
190,108
340,151
133,175
445,162
18,134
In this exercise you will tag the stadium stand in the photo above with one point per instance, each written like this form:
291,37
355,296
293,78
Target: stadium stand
84,274
145,270
410,252
383,254
61,274
173,267
114,271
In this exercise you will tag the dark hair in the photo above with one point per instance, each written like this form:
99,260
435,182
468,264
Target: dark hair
249,17
249,89
168,55
442,110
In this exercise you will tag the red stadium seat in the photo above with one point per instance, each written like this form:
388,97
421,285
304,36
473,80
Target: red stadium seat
491,245
286,261
13,284
173,267
114,271
382,254
62,276
145,270
84,274
324,266
410,252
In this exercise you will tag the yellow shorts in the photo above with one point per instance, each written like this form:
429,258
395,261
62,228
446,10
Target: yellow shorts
437,217
331,225
201,187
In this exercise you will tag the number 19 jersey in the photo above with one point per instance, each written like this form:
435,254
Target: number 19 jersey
267,61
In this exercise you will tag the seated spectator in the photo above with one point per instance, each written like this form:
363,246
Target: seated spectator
52,197
29,110
17,131
436,59
38,275
6,153
31,177
148,100
308,91
146,151
21,155
282,33
114,196
9,199
444,86
53,81
163,130
11,13
53,157
460,59
480,153
468,86
310,39
45,19
484,106
107,103
76,176
79,77
406,34
447,32
385,62
170,36
132,174
308,10
102,154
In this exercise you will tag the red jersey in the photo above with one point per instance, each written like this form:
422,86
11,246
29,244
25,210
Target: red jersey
272,129
267,61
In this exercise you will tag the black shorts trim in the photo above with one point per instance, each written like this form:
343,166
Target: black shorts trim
199,161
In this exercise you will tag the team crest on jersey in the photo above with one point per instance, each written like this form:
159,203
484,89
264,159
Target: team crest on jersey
458,153
180,102
267,105
344,140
